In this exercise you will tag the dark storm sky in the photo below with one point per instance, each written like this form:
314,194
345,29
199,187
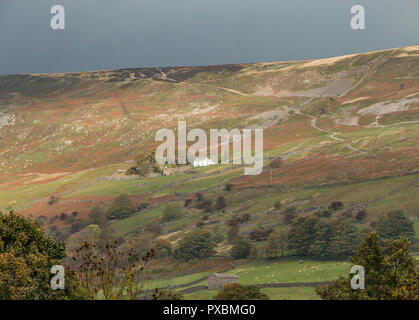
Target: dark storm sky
108,34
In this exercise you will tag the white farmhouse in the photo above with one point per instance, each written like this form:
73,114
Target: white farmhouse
202,162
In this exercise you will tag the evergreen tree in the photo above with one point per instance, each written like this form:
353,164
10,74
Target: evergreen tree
320,239
389,272
395,225
344,238
301,235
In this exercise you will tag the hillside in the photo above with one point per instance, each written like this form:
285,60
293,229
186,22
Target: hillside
347,129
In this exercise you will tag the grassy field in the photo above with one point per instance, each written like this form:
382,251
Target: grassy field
165,282
416,227
139,219
291,271
130,187
255,202
72,133
32,192
296,293
268,272
271,272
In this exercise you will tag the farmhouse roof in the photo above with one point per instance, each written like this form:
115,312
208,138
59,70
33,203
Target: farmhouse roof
199,158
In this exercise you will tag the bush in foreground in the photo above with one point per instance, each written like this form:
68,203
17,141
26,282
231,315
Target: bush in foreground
167,295
236,291
26,258
389,273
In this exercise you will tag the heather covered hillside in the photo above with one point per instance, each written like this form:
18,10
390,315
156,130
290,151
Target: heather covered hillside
345,129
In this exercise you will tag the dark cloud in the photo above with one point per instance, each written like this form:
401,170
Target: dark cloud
107,34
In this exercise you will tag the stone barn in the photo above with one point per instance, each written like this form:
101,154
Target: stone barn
217,281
